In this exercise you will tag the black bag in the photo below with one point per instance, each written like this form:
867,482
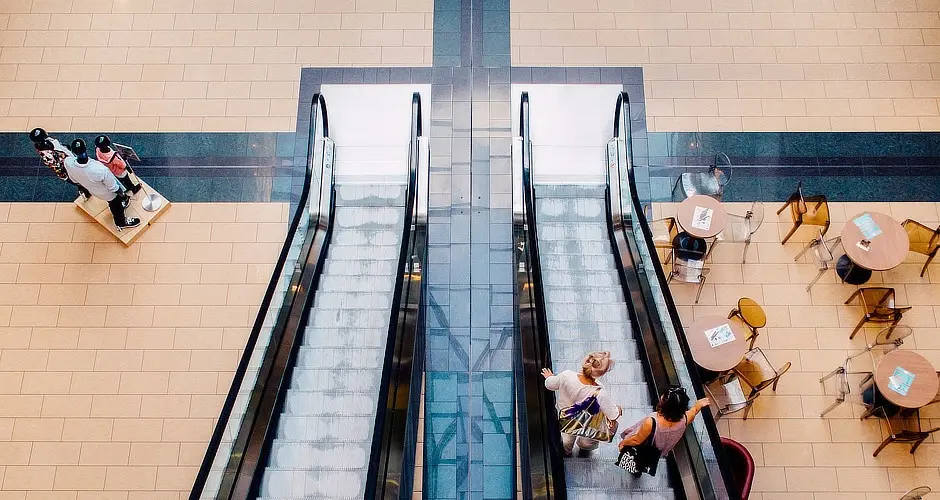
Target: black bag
639,459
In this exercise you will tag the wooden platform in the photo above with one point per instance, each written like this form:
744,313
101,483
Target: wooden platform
98,209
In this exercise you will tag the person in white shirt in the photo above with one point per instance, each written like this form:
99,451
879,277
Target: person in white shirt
571,388
100,182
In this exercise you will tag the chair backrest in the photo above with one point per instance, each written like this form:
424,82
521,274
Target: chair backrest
755,216
757,356
689,270
822,251
923,239
722,169
893,336
742,466
664,231
916,493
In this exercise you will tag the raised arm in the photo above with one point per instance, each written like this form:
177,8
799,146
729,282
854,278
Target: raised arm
552,381
696,408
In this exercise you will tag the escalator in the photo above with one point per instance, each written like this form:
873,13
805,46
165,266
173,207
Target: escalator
583,284
324,401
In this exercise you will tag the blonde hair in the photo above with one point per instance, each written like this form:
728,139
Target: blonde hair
596,364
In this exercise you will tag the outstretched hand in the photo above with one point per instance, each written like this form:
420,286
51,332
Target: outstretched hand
547,373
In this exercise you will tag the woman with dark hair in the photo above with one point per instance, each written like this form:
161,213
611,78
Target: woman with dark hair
666,425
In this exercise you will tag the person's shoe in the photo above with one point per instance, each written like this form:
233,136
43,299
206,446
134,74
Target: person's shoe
129,223
136,188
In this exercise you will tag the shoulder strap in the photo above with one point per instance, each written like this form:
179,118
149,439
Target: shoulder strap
649,438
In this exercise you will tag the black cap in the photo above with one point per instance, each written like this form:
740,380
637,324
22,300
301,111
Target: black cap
102,141
78,146
38,135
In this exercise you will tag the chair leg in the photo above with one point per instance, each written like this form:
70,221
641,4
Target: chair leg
774,386
753,338
916,444
805,249
785,205
884,443
701,285
818,275
924,270
852,297
891,328
835,404
747,244
858,327
711,248
869,412
747,409
796,225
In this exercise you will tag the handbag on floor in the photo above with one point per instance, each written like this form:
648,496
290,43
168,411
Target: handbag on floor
586,420
642,458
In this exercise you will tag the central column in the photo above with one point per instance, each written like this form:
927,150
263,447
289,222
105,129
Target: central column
469,450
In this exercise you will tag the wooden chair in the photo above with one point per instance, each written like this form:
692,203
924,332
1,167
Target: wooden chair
902,429
809,210
924,240
879,307
753,316
729,395
664,233
759,372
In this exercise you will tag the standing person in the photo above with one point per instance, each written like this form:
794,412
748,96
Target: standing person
100,182
53,155
573,388
666,425
115,162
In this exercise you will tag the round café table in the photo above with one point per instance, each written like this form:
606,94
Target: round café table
925,384
687,212
886,251
721,358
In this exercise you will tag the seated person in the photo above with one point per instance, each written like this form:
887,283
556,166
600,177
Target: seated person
97,179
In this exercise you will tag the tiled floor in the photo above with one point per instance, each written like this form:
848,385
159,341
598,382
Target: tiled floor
114,361
189,65
800,455
752,65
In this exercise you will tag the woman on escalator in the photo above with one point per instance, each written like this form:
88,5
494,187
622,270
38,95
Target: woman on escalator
657,434
586,413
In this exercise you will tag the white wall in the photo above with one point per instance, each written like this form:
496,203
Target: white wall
571,125
371,126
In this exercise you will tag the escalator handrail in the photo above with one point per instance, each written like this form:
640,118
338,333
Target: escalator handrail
622,115
401,366
317,108
549,475
242,477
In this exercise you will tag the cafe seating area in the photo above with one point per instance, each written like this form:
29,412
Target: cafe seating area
817,335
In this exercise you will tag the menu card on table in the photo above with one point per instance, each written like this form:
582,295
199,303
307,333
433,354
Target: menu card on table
719,335
867,226
702,218
900,382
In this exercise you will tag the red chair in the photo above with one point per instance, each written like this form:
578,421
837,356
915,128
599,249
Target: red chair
742,467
